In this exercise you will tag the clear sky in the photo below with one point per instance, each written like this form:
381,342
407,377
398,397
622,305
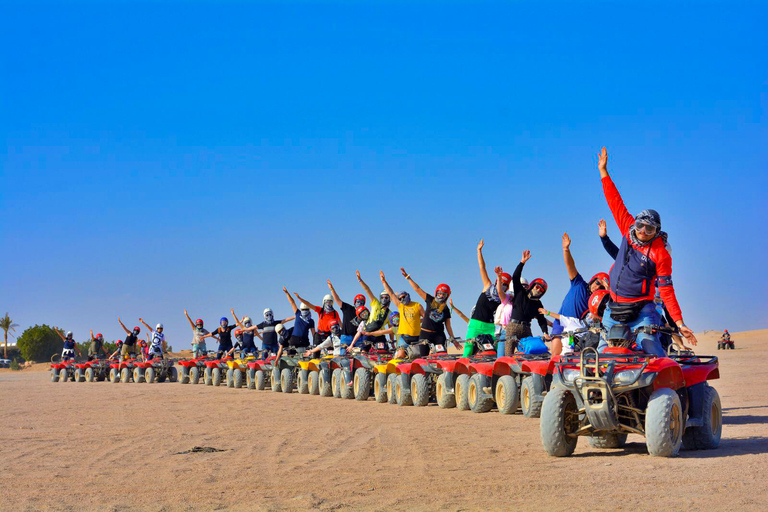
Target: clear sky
161,156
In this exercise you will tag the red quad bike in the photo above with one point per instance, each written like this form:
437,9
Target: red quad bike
359,368
430,376
122,372
725,344
608,395
62,371
193,369
260,373
215,369
96,369
156,369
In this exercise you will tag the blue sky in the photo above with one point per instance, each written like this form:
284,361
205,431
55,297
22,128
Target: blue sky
162,156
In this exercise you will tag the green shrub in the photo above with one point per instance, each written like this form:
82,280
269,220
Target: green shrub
15,365
39,343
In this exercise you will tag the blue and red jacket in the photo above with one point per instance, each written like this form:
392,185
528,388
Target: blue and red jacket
636,270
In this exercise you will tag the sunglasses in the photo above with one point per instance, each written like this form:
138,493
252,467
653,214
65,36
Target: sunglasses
647,228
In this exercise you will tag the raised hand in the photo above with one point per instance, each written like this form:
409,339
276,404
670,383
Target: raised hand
498,271
602,162
480,245
381,275
357,273
285,290
450,301
566,242
602,229
330,285
405,274
526,256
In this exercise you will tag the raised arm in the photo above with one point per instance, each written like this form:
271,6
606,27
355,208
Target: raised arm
481,264
413,284
189,319
336,297
608,244
123,326
570,265
367,290
145,325
91,334
237,320
290,299
392,294
499,282
517,286
58,331
458,311
620,213
311,306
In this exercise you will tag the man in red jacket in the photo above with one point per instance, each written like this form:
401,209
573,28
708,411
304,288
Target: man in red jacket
643,259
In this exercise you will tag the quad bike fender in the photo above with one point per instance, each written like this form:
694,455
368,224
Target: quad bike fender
446,365
212,364
698,374
404,368
502,367
482,368
461,367
305,365
539,367
670,376
362,362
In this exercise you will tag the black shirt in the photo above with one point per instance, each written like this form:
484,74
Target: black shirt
130,340
485,307
434,319
268,334
246,341
285,338
609,246
225,336
525,309
350,321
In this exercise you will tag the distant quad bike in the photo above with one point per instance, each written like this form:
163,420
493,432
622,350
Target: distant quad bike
260,372
122,372
237,372
318,380
192,370
89,371
157,369
62,371
608,395
288,374
215,369
725,344
385,375
360,368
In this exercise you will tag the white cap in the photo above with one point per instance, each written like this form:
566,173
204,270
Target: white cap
327,297
303,306
268,310
158,326
279,328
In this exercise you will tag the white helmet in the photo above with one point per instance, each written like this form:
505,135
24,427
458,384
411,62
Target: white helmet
279,328
158,326
304,307
384,292
268,310
246,319
69,334
327,297
524,282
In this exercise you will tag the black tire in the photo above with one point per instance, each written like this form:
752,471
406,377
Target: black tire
114,375
286,380
125,376
261,380
719,346
325,383
664,423
391,391
313,382
609,440
216,377
445,399
507,395
173,374
403,390
336,379
137,376
275,379
150,375
230,378
208,376
79,377
303,378
361,386
380,388
194,375
479,400
63,375
237,378
251,378
346,391
420,390
531,399
184,375
460,392
707,436
90,375
559,417
54,375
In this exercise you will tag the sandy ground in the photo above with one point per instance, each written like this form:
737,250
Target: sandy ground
102,446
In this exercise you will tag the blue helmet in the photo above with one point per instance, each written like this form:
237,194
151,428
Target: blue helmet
395,315
223,320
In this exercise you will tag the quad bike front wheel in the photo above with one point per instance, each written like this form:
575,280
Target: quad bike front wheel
336,382
403,390
237,379
79,375
707,436
664,423
380,388
194,375
286,380
313,382
559,419
275,381
460,392
89,375
303,379
391,388
261,380
479,400
250,379
445,399
230,378
149,375
125,375
63,375
114,376
184,375
346,390
325,383
54,375
420,390
216,376
362,384
507,394
137,376
531,398
173,374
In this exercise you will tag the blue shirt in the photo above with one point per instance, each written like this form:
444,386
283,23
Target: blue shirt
576,301
301,327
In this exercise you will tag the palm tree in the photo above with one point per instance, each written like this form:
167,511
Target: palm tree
6,324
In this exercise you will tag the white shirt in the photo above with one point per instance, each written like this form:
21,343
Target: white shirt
569,324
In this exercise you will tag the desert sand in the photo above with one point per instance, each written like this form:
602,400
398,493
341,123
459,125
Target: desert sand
103,446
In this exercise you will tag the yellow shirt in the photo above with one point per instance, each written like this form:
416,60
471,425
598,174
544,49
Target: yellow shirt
410,320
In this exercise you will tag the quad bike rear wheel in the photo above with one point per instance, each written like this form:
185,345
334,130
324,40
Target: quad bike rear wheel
54,375
380,388
336,379
420,390
79,375
507,394
479,400
230,378
391,391
531,399
286,380
194,375
184,375
460,392
303,379
346,391
114,376
707,436
326,384
63,375
664,423
125,375
313,382
445,399
173,374
559,419
609,440
261,380
275,380
150,375
216,376
362,384
89,374
208,376
403,390
237,378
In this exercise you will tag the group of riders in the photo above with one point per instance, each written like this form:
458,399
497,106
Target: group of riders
637,291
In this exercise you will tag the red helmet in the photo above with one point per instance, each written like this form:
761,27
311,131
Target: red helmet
142,343
99,336
199,321
443,288
238,332
136,329
506,278
538,281
359,297
360,310
598,301
600,275
333,323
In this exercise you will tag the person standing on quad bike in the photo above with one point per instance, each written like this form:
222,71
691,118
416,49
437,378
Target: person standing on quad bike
437,313
96,346
350,320
156,341
642,260
70,346
333,342
303,324
379,314
411,313
266,331
526,305
128,349
223,334
575,302
247,334
326,314
198,345
481,324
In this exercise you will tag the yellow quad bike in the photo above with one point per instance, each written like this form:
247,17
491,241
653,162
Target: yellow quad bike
385,375
315,376
237,373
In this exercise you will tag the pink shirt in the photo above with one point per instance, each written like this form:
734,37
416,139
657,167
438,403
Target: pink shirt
504,312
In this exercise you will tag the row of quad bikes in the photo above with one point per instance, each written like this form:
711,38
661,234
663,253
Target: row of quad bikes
112,370
603,396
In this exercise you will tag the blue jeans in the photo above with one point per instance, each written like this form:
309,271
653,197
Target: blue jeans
271,348
648,343
346,339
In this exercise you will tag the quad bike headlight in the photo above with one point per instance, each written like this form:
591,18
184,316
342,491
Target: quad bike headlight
569,374
626,377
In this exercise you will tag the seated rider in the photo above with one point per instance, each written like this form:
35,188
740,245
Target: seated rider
526,305
326,314
394,323
642,261
70,346
332,342
379,314
349,321
247,342
284,336
303,324
223,334
363,315
96,346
